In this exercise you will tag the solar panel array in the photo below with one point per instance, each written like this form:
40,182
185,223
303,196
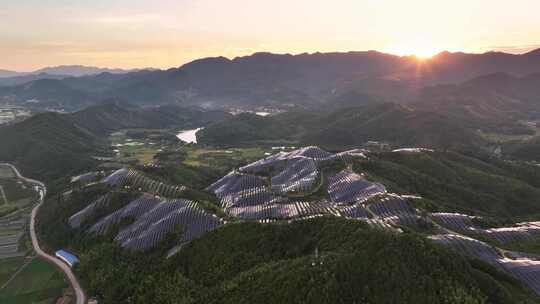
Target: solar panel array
300,174
133,210
76,220
253,197
355,211
153,219
526,231
154,224
314,153
393,209
272,161
266,211
469,246
117,179
257,203
348,187
390,205
85,178
454,221
247,196
523,268
526,270
132,178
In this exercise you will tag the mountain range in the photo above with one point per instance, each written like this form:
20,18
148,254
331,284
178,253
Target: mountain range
449,116
265,79
460,107
10,78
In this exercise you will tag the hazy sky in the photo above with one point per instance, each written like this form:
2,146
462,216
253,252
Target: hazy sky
167,33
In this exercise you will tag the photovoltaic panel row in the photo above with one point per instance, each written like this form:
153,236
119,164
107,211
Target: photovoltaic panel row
131,178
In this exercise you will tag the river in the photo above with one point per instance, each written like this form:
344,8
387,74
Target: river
188,136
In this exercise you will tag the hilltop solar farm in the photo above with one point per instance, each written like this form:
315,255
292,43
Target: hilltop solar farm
284,187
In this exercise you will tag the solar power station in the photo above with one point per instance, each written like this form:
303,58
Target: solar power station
130,178
275,189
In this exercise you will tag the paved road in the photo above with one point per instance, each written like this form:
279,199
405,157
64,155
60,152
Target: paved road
79,293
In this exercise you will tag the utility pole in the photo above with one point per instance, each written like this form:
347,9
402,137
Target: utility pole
3,195
316,259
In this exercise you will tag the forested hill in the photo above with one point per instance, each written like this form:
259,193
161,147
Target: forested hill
255,263
487,111
48,145
52,145
489,98
346,128
115,114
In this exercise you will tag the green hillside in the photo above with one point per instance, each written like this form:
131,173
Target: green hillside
346,128
319,260
52,145
115,114
458,182
250,263
48,145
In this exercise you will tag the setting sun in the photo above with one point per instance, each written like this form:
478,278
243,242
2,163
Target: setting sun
418,48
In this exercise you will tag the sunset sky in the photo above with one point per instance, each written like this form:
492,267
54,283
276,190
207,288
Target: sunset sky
167,33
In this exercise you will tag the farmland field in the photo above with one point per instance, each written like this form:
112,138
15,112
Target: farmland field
6,172
38,282
140,146
23,279
221,158
8,267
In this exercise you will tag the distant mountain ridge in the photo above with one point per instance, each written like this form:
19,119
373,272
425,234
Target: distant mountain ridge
493,98
80,70
11,78
6,73
69,70
279,80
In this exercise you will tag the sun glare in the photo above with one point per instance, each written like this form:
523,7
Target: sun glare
421,50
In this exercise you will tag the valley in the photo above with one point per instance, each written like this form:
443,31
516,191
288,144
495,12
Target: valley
205,186
246,152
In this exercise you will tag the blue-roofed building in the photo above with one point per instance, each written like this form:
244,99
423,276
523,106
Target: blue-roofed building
67,257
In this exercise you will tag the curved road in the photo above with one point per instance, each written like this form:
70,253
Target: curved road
79,293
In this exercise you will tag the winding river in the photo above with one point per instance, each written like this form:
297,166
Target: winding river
188,136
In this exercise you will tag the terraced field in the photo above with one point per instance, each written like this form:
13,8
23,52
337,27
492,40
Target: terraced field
17,198
23,278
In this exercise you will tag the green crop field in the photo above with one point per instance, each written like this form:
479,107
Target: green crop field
38,282
6,172
218,158
8,267
16,191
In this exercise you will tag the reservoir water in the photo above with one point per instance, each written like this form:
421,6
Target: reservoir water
188,135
